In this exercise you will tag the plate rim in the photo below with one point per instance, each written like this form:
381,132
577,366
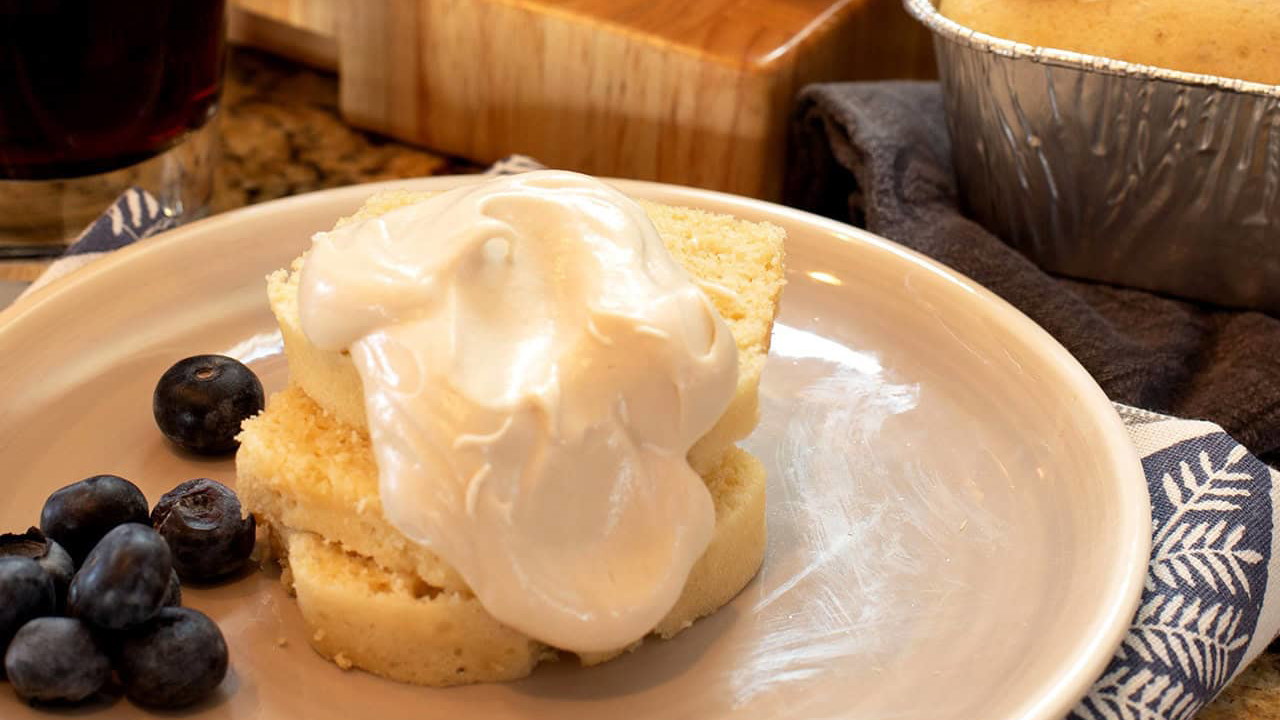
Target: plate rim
1068,687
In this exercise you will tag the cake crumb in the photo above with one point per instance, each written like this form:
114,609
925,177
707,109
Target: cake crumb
319,636
263,553
342,661
282,642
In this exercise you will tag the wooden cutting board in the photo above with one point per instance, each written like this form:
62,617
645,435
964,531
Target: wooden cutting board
695,92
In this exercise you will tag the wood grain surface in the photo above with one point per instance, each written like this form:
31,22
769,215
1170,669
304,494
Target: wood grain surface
282,38
316,16
691,92
22,270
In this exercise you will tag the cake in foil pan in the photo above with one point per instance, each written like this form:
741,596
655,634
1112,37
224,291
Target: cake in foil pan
1110,170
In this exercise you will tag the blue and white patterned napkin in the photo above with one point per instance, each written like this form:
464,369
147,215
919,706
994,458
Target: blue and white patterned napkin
1208,607
135,215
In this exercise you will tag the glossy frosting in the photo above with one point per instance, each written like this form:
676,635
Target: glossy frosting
536,367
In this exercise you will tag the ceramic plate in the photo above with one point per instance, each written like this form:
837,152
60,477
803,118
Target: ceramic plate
958,527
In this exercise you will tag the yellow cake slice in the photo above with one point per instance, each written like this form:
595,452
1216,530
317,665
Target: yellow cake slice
363,588
378,601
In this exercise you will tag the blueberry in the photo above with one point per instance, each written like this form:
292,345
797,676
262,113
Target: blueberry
200,402
47,554
56,659
173,596
124,580
26,592
177,658
78,515
200,519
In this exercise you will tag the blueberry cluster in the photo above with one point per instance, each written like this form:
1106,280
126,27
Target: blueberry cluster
96,592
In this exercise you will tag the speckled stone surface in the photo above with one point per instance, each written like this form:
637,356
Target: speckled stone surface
1255,694
282,135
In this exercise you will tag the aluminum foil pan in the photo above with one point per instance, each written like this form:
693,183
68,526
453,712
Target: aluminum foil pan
1111,171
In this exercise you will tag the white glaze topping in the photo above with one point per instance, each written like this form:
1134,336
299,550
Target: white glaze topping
536,367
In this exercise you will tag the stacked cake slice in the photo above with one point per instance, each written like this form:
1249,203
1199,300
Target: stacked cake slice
375,599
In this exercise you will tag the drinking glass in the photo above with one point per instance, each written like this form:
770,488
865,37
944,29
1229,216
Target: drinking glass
97,96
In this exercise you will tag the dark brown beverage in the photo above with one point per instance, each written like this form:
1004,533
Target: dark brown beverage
88,86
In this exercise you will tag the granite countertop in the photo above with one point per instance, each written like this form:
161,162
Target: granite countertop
282,135
1255,694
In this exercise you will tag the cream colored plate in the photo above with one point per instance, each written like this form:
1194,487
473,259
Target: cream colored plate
958,525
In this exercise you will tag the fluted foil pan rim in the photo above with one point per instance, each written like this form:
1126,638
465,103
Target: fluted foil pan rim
942,26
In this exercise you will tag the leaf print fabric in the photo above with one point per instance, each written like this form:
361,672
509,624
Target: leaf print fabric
1206,582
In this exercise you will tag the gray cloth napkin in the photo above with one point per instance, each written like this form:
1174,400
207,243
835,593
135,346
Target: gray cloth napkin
877,155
